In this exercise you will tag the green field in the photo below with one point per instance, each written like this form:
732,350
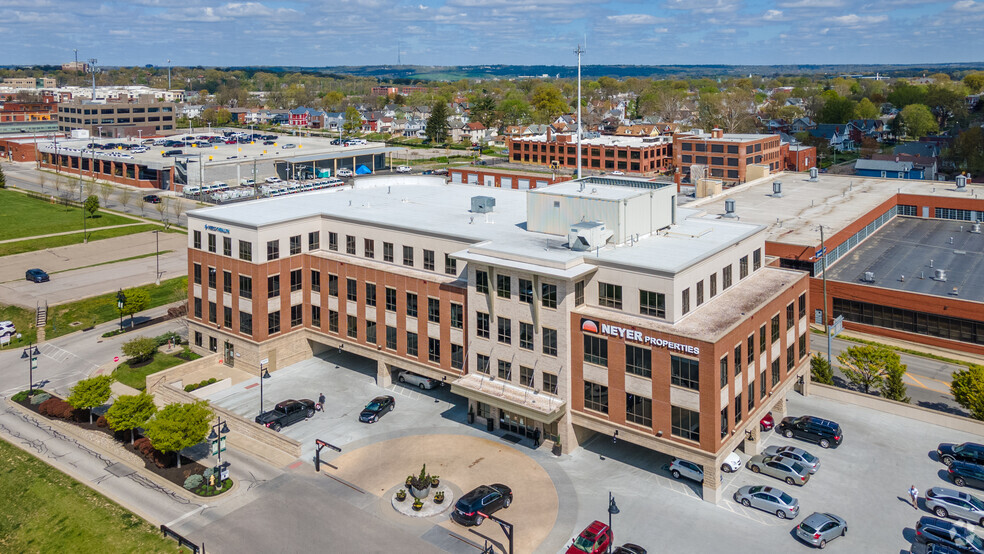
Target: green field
137,377
45,510
26,217
23,319
32,245
99,309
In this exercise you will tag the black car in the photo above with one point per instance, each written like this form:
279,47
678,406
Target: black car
965,474
376,408
484,499
967,452
286,413
930,530
824,432
152,199
268,142
37,275
629,548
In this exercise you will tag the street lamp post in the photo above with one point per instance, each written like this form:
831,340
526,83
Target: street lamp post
31,353
612,510
120,304
264,374
217,442
157,239
169,75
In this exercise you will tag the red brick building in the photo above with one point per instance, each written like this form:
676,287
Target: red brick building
649,155
489,177
799,157
726,156
11,112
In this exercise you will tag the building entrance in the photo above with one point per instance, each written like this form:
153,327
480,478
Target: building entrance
515,424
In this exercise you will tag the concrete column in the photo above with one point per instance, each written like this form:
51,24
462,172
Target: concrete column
712,486
779,409
752,444
384,374
807,377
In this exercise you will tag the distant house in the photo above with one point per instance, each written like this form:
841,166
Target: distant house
887,169
802,125
860,129
306,117
837,135
456,130
928,165
637,131
926,149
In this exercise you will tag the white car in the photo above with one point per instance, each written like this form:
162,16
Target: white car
7,328
272,180
404,169
682,468
344,172
618,173
418,380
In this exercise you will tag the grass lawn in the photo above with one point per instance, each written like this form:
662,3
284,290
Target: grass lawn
136,377
45,510
31,245
99,309
26,217
23,319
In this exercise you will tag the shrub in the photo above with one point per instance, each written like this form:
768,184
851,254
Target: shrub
39,398
140,348
101,422
193,481
190,387
178,311
161,340
22,395
144,446
208,472
212,380
56,407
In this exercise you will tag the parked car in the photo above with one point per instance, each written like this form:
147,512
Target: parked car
682,468
781,468
946,503
7,328
967,452
484,499
37,275
767,422
418,380
269,143
168,153
820,528
804,458
930,530
152,199
824,432
595,539
344,172
629,548
273,180
936,549
768,499
964,474
286,146
376,408
617,173
286,413
404,169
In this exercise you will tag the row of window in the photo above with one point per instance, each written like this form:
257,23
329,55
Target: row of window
504,333
527,375
525,292
684,423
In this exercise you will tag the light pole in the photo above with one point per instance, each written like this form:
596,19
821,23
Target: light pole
612,510
31,353
157,239
579,52
826,319
85,234
120,304
92,69
169,75
217,442
264,374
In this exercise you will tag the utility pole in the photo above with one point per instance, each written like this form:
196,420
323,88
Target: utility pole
169,75
579,51
826,318
92,69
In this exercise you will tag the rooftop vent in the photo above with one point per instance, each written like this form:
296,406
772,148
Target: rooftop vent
869,277
813,174
588,235
939,275
482,204
961,182
777,189
729,208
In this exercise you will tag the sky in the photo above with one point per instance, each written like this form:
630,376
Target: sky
479,32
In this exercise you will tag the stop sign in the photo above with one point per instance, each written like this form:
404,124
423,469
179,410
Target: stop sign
116,358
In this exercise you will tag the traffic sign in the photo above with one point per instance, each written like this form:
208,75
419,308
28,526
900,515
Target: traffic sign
821,253
838,326
116,358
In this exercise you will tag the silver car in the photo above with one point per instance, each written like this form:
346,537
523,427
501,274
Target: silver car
768,499
946,502
818,529
781,468
804,458
418,380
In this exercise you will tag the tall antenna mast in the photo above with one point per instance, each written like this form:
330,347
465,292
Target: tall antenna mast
399,50
579,51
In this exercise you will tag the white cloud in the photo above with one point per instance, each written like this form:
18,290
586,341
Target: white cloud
855,20
704,6
968,6
773,15
635,19
812,4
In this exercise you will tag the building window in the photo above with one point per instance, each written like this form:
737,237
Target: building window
390,299
751,397
429,260
775,372
411,344
457,356
211,277
450,265
638,409
352,290
273,322
526,376
245,251
198,339
549,383
503,286
762,340
213,344
196,240
685,423
412,304
726,277
332,241
391,337
548,298
352,326
333,285
596,350
790,358
227,246
685,372
775,328
296,315
434,310
790,315
685,300
198,308
316,316
610,295
483,327
638,361
595,397
750,347
315,280
349,244
408,256
724,372
273,250
246,323
505,370
756,259
211,242
295,245
743,267
579,293
388,252
481,282
505,330
370,294
525,290
296,280
724,422
700,292
314,240
333,321
802,305
802,346
273,286
714,285
525,335
227,317
457,316
737,408
371,332
482,364
549,341
738,360
762,386
196,272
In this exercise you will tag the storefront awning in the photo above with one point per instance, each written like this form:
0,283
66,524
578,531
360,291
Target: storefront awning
512,398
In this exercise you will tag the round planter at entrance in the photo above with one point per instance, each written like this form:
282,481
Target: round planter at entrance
420,493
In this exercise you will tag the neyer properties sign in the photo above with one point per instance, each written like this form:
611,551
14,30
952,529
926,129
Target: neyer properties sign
591,326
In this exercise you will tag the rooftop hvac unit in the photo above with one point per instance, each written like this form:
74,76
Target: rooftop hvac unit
975,228
961,181
588,235
729,208
777,189
813,174
940,275
482,204
869,277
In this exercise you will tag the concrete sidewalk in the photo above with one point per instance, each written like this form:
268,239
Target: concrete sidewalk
75,232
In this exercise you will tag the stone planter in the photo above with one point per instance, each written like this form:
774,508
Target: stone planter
420,493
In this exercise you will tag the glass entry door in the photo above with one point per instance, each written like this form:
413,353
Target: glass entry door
515,424
230,354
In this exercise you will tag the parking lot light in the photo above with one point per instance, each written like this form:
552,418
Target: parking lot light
612,510
264,374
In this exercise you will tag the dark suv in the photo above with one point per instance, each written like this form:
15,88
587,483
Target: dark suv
966,452
286,413
930,530
484,499
824,432
964,474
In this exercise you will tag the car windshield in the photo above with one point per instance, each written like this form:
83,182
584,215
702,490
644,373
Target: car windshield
786,499
585,544
797,468
808,457
958,448
976,502
807,527
373,406
975,541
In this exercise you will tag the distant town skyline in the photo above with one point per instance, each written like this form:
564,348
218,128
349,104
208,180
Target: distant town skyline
477,32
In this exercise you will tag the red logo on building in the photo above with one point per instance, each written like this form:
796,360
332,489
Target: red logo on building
589,326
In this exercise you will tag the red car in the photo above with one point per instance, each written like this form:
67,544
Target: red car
595,539
767,422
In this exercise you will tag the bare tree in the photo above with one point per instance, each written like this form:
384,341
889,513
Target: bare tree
89,188
44,179
105,192
59,184
143,204
126,195
177,208
161,208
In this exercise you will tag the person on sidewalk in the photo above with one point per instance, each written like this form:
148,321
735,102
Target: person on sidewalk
914,496
321,402
536,438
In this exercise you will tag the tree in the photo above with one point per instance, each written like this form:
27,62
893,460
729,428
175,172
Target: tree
869,147
894,387
177,208
89,188
968,151
179,426
161,208
353,120
865,109
105,191
90,393
820,370
865,366
836,108
140,349
131,411
974,82
904,94
126,195
137,300
918,121
967,387
3,179
945,103
91,205
483,110
437,124
548,103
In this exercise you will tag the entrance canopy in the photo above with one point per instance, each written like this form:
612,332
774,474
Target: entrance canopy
512,398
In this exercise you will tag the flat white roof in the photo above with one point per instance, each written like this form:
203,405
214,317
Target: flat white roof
604,140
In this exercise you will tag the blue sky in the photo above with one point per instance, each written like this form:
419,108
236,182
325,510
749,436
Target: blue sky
476,32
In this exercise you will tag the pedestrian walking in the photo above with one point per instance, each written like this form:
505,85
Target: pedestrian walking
321,402
536,438
914,496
